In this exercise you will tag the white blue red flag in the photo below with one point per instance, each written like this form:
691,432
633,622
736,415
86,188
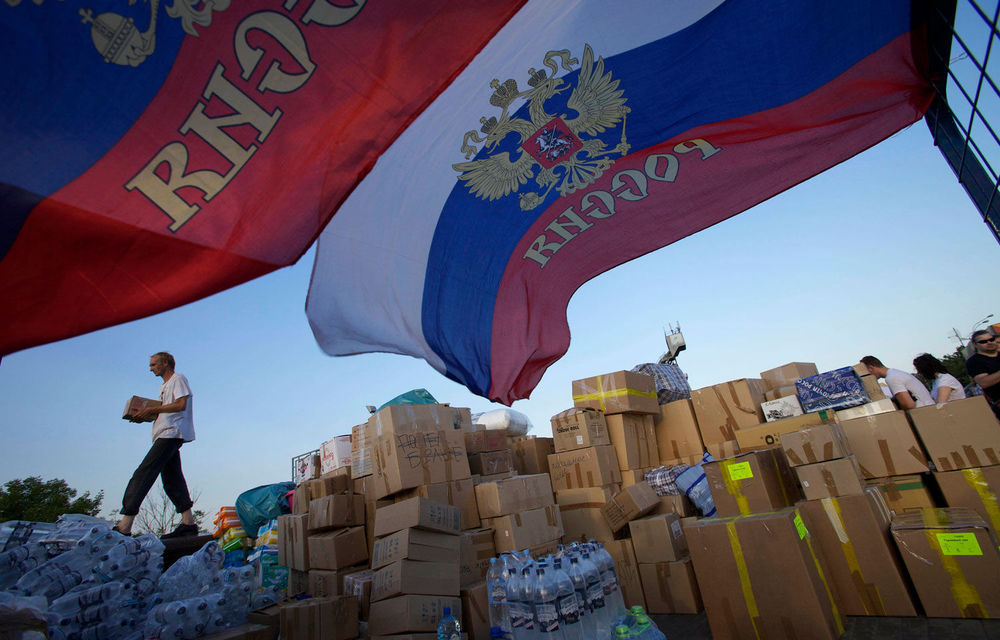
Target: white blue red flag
153,152
586,134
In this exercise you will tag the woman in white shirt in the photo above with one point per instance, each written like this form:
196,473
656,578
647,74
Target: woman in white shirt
944,386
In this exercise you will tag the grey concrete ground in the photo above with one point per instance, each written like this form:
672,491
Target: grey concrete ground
857,628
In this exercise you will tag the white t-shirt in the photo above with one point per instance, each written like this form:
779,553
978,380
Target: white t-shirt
179,424
947,380
900,381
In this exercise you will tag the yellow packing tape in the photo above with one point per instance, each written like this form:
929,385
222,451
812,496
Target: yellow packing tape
600,395
741,568
734,486
978,483
870,597
964,594
826,585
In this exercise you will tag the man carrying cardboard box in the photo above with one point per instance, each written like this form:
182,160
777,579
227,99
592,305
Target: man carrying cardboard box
984,367
172,427
907,391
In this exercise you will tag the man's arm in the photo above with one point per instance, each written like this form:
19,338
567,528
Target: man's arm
180,404
904,400
987,379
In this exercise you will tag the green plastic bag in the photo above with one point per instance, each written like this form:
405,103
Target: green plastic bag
416,396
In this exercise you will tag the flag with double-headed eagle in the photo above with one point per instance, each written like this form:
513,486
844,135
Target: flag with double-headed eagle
586,134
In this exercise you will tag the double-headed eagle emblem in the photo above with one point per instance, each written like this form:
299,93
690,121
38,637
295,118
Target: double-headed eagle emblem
552,149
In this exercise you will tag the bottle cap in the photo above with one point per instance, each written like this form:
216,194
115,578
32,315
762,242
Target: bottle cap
447,611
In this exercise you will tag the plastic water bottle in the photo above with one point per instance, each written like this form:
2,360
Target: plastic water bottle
579,582
527,597
449,628
570,607
596,598
612,588
622,632
546,597
496,593
645,628
515,608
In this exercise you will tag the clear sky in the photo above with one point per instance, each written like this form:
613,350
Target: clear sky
881,255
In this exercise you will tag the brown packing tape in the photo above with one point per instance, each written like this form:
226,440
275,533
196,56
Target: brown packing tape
830,482
865,472
736,400
890,468
781,477
581,505
917,455
517,519
550,515
727,430
807,449
991,455
675,447
892,491
971,457
579,476
662,573
794,458
590,479
828,451
944,464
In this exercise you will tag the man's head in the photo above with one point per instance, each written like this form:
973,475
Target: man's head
160,363
875,366
986,343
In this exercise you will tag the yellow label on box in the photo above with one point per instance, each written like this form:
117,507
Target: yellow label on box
959,544
740,471
800,526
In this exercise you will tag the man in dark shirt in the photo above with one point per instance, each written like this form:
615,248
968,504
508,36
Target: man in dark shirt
984,367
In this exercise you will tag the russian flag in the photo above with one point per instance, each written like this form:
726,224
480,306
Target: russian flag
586,134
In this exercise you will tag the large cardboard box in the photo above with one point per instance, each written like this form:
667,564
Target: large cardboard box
872,388
723,409
590,467
336,511
489,463
837,389
752,482
831,478
884,445
363,462
457,493
337,481
293,541
670,587
361,437
410,613
862,410
359,585
951,556
634,439
415,544
531,455
679,504
977,489
769,434
419,512
476,548
627,570
338,549
864,568
334,618
416,444
782,392
787,374
511,495
335,453
677,434
476,611
961,434
904,493
632,502
412,577
761,577
307,468
481,440
617,393
815,444
580,510
324,583
526,529
578,428
658,538
301,498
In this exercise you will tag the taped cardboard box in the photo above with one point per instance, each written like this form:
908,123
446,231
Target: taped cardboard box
410,613
787,374
619,392
328,485
580,511
410,459
333,618
578,428
961,434
526,529
831,478
815,444
720,450
752,482
904,493
359,585
884,445
480,440
335,453
301,498
631,503
862,410
677,434
590,467
865,570
658,538
951,556
837,389
723,409
476,548
531,455
670,587
627,570
761,576
412,577
633,436
511,495
977,489
781,392
680,504
136,404
634,476
338,549
769,434
306,469
363,462
361,437
298,582
496,477
415,544
336,511
324,583
872,387
491,462
293,541
457,493
420,513
476,612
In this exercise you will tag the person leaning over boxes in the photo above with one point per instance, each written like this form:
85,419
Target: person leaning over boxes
944,386
984,367
173,426
907,391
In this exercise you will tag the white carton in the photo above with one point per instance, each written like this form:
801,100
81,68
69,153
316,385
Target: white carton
786,407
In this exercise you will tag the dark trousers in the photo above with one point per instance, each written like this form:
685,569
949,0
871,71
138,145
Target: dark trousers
164,460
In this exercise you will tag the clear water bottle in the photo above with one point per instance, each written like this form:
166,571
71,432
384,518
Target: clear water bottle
596,598
612,589
645,628
449,628
496,593
546,597
579,582
571,608
527,598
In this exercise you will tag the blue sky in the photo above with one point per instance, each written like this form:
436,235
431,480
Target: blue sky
883,254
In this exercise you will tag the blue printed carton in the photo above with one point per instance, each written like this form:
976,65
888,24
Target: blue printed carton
837,389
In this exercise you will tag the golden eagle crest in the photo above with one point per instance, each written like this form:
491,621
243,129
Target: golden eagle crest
550,144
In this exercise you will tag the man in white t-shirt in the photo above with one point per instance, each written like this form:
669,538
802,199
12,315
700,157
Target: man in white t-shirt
172,427
906,390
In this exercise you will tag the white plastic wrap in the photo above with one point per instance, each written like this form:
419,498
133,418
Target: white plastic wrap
514,422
